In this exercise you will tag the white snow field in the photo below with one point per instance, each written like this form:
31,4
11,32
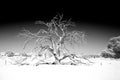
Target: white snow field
101,69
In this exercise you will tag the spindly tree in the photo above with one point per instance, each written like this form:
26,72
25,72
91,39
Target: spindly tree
57,35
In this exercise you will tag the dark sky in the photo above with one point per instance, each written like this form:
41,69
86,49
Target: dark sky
99,25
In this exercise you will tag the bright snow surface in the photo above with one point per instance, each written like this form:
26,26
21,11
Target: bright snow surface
102,69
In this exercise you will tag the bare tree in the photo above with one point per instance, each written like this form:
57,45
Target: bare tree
57,40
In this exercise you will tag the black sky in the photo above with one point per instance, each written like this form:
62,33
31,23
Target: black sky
99,24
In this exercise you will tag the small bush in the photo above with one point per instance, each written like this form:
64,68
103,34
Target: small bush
114,45
10,54
107,55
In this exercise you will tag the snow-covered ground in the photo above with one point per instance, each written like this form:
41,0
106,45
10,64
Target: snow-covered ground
101,69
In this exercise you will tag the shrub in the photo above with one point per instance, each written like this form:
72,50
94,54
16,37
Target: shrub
114,45
10,54
107,55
